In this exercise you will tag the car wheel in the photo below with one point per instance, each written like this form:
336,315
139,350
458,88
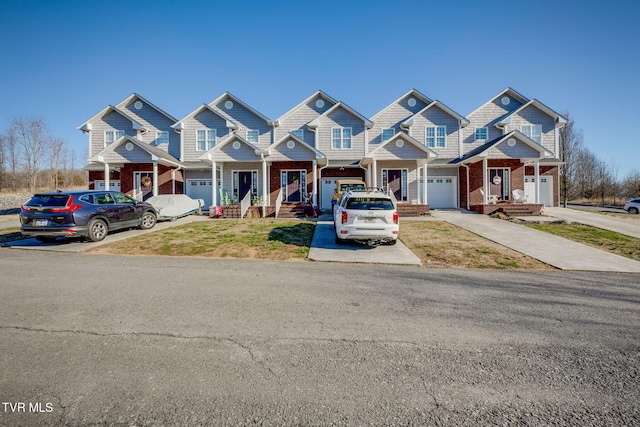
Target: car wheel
393,242
633,210
148,221
97,230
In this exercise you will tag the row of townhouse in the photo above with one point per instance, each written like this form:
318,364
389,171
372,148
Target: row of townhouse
418,148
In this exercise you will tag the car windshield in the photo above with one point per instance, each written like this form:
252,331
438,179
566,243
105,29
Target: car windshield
344,187
369,203
47,200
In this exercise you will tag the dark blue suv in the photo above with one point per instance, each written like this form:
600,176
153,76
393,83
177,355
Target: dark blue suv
85,213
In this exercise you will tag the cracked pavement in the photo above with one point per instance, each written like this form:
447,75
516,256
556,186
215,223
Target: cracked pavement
174,341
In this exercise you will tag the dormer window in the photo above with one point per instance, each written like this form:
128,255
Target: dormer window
111,136
253,136
481,134
206,139
299,133
341,138
532,131
387,134
162,138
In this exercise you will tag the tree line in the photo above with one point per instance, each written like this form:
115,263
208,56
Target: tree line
32,158
584,176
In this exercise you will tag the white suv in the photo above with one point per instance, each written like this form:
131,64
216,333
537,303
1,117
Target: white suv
366,216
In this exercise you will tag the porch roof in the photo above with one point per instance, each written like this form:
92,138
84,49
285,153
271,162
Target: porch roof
404,137
216,151
482,152
317,155
155,153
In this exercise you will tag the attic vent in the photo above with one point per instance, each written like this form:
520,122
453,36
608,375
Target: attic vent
128,146
399,143
228,105
236,145
505,100
138,105
511,142
319,103
411,102
291,144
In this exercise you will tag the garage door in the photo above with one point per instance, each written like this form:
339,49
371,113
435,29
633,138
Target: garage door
113,185
200,189
546,189
326,190
442,192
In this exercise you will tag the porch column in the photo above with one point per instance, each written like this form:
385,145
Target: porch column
536,168
155,178
375,174
368,178
424,185
106,176
265,187
214,184
315,182
173,181
485,181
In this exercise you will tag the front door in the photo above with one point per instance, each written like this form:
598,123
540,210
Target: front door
499,183
244,184
293,185
143,183
395,180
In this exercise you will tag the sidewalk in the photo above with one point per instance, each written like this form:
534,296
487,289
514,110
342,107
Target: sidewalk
553,250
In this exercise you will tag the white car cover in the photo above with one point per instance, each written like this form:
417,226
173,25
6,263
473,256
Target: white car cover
172,206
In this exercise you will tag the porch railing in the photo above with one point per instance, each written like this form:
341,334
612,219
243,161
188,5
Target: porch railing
278,202
245,203
393,197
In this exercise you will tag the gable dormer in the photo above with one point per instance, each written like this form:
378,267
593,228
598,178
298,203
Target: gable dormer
296,119
107,126
251,124
201,130
387,122
341,132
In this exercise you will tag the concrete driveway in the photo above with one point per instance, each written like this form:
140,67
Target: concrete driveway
553,250
629,227
73,245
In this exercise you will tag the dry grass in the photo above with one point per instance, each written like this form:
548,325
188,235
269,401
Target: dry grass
249,238
440,244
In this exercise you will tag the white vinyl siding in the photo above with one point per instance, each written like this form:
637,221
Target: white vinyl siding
341,138
205,139
532,131
387,134
481,134
253,136
111,136
435,136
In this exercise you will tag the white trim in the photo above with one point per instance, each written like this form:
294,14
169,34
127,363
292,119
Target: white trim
475,133
302,189
403,185
342,138
158,133
532,127
257,136
393,132
253,184
117,134
435,136
207,138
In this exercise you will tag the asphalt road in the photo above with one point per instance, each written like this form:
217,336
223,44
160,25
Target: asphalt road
108,340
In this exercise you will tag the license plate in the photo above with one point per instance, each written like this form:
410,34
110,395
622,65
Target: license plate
42,222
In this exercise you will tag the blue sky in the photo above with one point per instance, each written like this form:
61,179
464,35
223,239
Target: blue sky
66,60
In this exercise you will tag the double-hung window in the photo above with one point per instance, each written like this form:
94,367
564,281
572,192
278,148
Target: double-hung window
162,138
532,131
341,138
435,136
206,139
481,134
111,136
387,134
253,135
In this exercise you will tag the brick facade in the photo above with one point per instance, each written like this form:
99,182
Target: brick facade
126,175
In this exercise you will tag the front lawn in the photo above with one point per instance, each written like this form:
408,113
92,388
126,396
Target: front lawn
609,241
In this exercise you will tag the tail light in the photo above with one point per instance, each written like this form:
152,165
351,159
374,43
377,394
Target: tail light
69,207
345,217
395,217
25,208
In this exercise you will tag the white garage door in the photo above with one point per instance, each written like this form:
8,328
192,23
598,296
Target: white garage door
442,192
546,189
113,185
326,190
200,189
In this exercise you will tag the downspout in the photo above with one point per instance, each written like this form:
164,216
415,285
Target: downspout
320,176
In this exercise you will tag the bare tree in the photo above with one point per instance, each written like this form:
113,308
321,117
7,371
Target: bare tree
571,146
32,136
631,184
56,155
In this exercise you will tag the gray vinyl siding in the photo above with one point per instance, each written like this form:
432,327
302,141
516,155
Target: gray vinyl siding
392,117
518,151
392,152
245,120
300,117
487,116
412,175
121,155
197,174
230,154
534,116
112,121
442,172
154,121
283,153
341,118
435,116
206,119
